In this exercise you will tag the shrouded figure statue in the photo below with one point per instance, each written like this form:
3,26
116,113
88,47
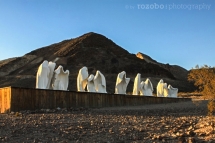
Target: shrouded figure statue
165,90
42,78
146,88
51,73
82,79
60,79
137,86
173,92
160,90
100,82
90,84
121,83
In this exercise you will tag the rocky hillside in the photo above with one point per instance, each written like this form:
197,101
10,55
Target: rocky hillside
97,53
177,71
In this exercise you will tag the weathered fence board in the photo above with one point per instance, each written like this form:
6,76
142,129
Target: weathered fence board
17,99
5,99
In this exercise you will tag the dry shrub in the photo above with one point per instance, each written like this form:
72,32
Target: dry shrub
204,78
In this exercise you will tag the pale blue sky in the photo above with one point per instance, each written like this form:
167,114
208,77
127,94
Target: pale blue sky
170,31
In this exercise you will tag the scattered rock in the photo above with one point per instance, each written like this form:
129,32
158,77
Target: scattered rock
100,125
181,140
191,133
17,114
12,113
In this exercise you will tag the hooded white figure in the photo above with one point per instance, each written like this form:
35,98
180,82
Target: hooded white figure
100,82
160,90
42,78
121,83
137,85
173,92
51,66
61,79
90,84
165,90
146,88
82,79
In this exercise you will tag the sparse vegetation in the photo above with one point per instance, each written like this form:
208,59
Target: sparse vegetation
204,78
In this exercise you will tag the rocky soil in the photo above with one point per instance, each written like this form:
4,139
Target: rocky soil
169,123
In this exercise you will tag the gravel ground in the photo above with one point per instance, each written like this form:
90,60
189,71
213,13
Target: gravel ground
169,123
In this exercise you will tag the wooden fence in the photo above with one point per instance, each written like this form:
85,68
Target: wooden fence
17,99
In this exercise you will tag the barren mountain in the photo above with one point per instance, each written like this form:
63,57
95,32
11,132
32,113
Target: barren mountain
177,71
96,52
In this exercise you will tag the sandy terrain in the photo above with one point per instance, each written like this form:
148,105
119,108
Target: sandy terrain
174,122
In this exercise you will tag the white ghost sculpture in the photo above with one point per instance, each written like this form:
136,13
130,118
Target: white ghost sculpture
90,84
51,66
146,88
160,90
61,79
173,92
121,83
137,85
100,82
82,79
165,90
42,78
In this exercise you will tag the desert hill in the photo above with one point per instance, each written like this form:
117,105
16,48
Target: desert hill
96,52
177,71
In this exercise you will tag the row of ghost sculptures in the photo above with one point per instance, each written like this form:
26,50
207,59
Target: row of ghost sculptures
48,78
97,83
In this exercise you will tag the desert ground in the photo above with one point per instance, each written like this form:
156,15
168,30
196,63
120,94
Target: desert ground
170,123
